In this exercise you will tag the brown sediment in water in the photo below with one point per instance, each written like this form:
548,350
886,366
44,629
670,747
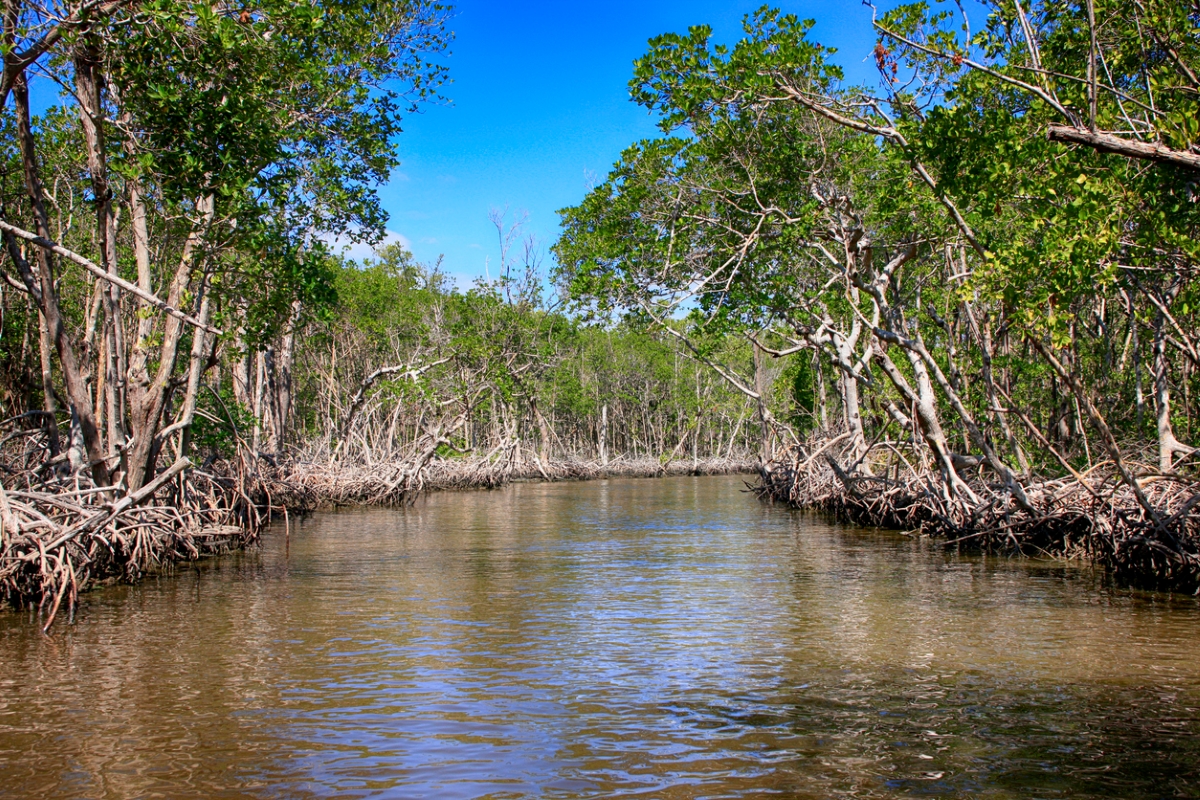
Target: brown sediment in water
543,630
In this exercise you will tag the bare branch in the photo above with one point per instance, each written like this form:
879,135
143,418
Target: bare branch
1104,142
102,273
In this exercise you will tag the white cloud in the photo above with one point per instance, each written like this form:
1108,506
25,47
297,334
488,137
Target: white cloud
359,250
461,280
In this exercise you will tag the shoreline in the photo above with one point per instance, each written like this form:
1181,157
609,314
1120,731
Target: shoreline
1095,519
61,539
394,483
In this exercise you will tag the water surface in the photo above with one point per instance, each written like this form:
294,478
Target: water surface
666,638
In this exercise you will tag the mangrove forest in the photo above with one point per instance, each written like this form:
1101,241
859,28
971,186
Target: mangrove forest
536,400
958,299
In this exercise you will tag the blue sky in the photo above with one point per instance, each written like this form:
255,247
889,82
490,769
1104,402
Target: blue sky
539,102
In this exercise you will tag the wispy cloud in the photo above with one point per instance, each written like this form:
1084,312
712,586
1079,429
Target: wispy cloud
461,280
359,251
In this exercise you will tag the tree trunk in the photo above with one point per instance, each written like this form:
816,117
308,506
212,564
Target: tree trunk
196,365
271,400
922,402
543,432
984,337
148,397
1168,445
242,386
850,398
766,451
604,435
45,292
88,89
287,363
49,404
822,398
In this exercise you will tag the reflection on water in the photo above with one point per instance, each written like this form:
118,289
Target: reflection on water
668,638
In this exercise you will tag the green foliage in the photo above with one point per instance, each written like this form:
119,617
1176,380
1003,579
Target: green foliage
913,225
205,152
1058,220
499,360
303,119
221,424
799,381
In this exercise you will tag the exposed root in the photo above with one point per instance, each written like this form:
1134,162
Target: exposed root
1093,516
400,482
57,537
60,536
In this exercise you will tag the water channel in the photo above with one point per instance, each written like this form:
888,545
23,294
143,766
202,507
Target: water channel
667,638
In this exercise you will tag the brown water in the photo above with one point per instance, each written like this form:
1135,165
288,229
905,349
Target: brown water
661,638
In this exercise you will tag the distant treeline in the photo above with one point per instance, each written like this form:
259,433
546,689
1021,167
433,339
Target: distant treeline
405,359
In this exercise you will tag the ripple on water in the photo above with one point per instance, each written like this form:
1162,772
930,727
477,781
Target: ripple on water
664,638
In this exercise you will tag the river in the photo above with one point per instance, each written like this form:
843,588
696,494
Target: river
668,638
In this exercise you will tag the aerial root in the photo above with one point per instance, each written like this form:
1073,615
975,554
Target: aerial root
1094,517
398,482
59,537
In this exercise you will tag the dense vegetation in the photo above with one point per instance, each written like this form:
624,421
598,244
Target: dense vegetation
195,150
963,300
407,362
989,261
175,324
190,300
